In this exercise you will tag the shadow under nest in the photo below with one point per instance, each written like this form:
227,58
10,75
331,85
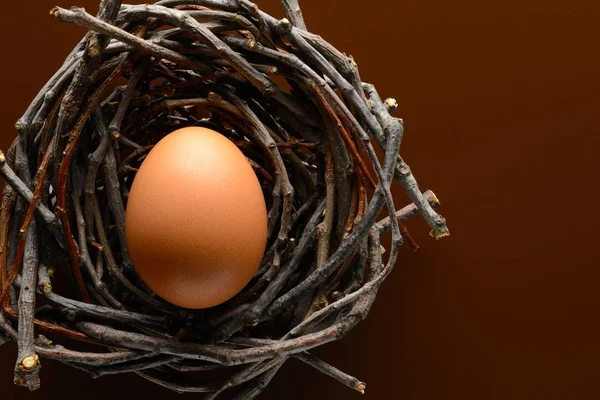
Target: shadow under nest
308,125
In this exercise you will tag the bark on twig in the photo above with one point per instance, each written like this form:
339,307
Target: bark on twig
293,13
28,365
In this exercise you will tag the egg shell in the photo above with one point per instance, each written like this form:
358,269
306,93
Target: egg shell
196,219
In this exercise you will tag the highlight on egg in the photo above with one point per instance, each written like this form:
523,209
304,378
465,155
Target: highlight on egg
196,219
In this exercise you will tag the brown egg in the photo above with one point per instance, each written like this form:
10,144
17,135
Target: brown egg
196,220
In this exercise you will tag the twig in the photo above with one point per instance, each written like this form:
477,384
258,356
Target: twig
17,184
332,371
126,97
228,5
408,212
112,185
324,231
245,375
237,18
177,384
28,366
324,228
43,280
151,361
293,13
95,159
260,383
34,116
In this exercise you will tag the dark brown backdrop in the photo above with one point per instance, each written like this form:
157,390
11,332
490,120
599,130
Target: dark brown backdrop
500,103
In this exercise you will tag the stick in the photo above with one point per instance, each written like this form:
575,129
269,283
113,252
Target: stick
293,13
408,212
332,371
28,366
17,184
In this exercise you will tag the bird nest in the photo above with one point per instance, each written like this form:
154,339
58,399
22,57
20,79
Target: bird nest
309,126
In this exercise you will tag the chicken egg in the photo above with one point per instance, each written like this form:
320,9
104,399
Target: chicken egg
196,219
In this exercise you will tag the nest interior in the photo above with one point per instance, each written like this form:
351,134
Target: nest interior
308,125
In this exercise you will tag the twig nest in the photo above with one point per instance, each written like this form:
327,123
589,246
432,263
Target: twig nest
307,124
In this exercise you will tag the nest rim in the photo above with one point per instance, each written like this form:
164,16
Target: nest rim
329,112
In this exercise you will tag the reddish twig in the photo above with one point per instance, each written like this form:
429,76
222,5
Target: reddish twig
61,199
40,177
347,139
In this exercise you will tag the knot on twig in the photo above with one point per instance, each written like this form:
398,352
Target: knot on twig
46,288
29,362
55,11
361,388
283,27
391,104
214,97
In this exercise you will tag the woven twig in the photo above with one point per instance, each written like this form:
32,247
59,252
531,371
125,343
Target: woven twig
309,126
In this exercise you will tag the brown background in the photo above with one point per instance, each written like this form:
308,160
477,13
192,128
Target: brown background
500,102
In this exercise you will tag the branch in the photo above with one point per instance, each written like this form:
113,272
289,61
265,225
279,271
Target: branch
228,5
332,371
408,212
17,184
112,185
151,361
324,228
28,366
248,373
293,13
126,97
324,232
35,115
260,383
177,384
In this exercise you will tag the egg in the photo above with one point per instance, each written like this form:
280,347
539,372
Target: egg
196,219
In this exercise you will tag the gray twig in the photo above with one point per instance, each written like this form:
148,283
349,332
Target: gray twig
293,13
28,365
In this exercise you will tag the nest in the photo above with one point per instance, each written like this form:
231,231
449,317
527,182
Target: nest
309,126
